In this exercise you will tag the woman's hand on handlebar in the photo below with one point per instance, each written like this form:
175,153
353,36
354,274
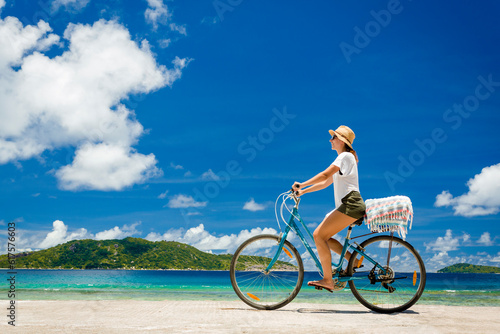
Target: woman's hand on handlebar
296,189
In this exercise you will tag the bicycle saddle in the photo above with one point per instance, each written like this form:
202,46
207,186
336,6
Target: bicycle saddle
358,222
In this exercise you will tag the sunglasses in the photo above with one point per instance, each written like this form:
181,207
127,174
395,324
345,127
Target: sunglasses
333,137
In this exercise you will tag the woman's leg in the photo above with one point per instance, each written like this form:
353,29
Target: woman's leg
337,247
331,225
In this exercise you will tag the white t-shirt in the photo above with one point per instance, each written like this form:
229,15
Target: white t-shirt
348,181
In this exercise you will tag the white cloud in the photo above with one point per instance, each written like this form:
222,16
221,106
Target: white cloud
69,4
251,205
107,167
209,175
439,261
163,195
194,213
75,100
496,259
443,259
485,239
466,237
60,235
164,43
210,20
174,166
29,240
200,238
483,197
181,29
157,13
118,233
2,4
16,40
184,201
444,244
312,226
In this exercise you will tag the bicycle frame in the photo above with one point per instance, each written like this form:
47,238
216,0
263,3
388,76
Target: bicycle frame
292,226
267,278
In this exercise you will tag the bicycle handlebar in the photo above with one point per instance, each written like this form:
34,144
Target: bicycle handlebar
295,197
284,196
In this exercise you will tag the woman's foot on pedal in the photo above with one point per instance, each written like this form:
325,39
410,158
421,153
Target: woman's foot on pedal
322,284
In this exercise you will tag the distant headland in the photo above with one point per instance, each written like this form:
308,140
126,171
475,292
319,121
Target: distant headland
470,269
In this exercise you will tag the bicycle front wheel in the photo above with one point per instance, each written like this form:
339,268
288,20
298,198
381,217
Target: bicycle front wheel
260,287
399,287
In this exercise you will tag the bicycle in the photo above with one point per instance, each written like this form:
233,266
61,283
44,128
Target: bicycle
267,271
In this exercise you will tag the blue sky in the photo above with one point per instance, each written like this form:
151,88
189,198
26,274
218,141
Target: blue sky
184,120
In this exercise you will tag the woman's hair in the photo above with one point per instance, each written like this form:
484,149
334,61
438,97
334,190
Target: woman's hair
348,149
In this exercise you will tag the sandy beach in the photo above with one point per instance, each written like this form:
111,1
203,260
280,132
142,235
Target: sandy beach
132,316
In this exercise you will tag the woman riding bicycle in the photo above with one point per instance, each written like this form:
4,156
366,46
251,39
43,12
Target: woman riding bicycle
349,205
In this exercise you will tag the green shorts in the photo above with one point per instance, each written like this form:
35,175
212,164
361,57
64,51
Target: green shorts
353,205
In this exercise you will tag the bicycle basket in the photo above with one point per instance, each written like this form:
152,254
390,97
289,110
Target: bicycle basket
389,214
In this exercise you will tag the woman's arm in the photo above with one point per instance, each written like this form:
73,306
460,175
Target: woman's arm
316,187
319,178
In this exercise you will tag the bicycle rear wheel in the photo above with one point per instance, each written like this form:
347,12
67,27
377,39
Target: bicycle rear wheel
400,287
262,289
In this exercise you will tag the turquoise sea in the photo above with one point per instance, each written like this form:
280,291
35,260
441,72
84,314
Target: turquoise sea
442,289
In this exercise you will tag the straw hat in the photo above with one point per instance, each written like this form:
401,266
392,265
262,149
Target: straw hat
345,134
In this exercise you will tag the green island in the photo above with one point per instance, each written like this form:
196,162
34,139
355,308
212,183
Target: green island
129,253
470,269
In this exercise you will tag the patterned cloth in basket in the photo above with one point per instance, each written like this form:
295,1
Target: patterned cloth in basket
389,214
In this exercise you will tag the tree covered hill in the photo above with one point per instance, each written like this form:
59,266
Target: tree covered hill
129,253
469,268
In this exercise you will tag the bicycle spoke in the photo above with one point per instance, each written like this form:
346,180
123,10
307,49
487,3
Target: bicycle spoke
394,288
259,288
